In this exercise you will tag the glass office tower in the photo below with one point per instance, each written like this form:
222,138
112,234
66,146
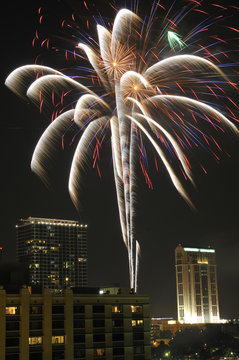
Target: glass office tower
55,250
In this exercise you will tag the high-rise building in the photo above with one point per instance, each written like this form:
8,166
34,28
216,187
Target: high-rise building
196,279
55,250
43,325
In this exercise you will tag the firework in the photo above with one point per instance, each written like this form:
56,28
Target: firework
144,86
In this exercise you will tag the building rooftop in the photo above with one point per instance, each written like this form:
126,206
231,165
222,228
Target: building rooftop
46,221
209,249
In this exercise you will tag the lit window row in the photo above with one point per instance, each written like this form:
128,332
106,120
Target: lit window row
137,322
136,308
55,224
58,339
12,310
117,308
37,340
36,241
33,266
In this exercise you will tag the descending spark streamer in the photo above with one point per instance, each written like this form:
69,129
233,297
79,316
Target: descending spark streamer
156,91
174,40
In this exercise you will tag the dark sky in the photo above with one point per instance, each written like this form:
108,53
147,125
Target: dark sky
163,218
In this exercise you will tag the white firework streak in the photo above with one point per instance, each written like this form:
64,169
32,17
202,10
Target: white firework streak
48,142
135,92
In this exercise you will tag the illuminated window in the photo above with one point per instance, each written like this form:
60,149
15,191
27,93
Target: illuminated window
35,340
58,339
203,260
12,310
29,241
99,352
136,308
40,247
137,322
117,308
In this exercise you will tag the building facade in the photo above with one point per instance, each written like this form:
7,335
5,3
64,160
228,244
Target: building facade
74,326
196,280
55,250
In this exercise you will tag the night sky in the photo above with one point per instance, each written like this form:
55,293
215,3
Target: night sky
163,218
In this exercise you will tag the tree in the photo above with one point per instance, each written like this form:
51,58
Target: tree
189,341
160,352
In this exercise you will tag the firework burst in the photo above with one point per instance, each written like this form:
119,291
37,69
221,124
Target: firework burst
153,84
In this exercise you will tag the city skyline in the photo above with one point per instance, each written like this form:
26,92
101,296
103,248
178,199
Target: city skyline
215,223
